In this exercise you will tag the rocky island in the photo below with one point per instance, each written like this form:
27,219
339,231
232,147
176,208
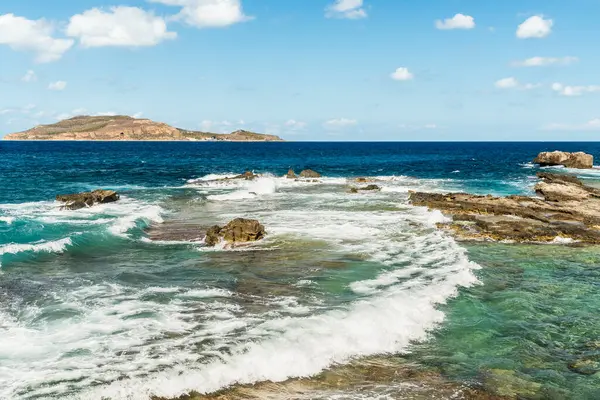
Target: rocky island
125,128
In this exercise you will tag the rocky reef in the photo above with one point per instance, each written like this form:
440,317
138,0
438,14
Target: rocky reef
77,201
570,160
121,127
566,211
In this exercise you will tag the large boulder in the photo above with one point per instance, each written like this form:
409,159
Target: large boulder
248,175
570,160
291,174
238,231
77,201
309,173
366,188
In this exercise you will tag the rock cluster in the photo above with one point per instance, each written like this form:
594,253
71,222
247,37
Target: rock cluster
77,201
569,210
570,160
238,231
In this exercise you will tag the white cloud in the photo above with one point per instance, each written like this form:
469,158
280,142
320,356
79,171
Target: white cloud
349,9
402,74
459,21
58,85
535,27
513,83
593,125
545,61
571,91
208,13
29,76
340,123
138,115
507,83
121,26
32,36
295,125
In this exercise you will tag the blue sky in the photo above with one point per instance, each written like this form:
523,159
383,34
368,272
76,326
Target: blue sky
309,69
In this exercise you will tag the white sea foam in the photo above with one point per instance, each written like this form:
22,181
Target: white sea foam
7,220
56,246
258,187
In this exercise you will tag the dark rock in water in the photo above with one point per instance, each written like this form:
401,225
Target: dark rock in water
77,201
569,210
291,174
213,236
309,173
365,189
570,160
239,230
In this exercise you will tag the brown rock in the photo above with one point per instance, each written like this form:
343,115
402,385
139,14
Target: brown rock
569,210
570,160
291,174
239,230
77,201
248,175
309,173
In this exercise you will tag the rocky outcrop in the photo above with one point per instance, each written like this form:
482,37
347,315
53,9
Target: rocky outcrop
570,160
368,188
238,231
248,175
122,127
87,199
291,174
569,210
309,173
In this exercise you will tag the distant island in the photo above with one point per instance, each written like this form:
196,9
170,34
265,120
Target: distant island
125,128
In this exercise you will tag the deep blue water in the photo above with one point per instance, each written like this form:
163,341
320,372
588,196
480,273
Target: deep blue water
34,171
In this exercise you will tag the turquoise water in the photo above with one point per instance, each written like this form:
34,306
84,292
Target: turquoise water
91,307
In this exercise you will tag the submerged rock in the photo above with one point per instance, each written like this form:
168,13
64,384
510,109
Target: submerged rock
585,366
309,173
569,210
291,174
77,201
238,231
570,160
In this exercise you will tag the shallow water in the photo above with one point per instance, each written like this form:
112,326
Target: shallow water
91,308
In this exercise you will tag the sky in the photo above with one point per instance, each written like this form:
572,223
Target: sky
309,69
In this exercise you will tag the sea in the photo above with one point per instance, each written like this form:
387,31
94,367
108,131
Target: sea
93,306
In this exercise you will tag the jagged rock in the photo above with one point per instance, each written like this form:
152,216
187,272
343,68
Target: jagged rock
239,230
309,173
77,201
570,160
291,174
569,210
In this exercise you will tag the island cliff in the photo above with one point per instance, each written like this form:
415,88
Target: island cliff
120,127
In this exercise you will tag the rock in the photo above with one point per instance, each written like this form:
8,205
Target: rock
291,174
507,383
570,160
239,230
248,175
309,173
366,188
586,366
569,210
77,201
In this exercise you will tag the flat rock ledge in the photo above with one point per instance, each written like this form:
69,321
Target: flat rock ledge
566,211
77,201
